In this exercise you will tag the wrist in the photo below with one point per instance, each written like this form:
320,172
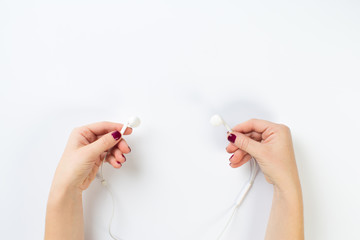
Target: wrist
287,183
64,181
286,218
60,192
64,213
290,192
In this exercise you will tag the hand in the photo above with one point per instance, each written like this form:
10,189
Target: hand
271,145
86,148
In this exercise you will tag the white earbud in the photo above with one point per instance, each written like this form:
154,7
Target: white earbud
217,120
132,122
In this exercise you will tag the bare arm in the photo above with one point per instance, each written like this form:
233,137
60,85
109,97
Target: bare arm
64,214
286,217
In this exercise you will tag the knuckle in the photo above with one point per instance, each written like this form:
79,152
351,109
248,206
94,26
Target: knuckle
75,130
284,128
84,132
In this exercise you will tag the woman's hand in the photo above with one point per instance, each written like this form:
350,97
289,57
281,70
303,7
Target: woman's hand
77,168
86,148
271,145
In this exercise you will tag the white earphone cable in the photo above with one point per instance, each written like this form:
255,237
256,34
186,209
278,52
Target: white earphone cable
215,120
132,122
239,200
106,185
242,195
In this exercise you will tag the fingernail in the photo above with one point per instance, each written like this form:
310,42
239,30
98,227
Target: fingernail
118,162
129,148
231,156
229,164
124,157
116,135
232,138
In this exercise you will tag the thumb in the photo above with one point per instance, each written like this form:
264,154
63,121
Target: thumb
105,142
245,143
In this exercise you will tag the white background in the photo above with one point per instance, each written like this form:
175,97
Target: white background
64,64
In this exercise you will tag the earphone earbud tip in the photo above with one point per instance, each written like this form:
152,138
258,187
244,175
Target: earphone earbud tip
216,120
134,122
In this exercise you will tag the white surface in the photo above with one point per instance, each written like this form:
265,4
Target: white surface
174,64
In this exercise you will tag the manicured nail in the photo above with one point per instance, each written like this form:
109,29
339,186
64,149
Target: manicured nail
129,148
231,156
232,138
118,162
124,157
116,135
229,164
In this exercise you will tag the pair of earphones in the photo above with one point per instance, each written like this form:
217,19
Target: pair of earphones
215,120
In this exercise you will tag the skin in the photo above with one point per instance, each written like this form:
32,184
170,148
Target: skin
271,145
77,168
268,142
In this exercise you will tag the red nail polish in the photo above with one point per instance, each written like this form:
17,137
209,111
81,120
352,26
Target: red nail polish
129,148
231,156
124,157
118,162
116,135
232,138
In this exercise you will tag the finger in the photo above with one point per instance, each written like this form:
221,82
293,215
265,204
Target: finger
254,135
104,143
237,156
119,156
245,143
101,128
111,159
123,146
244,160
231,148
253,125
